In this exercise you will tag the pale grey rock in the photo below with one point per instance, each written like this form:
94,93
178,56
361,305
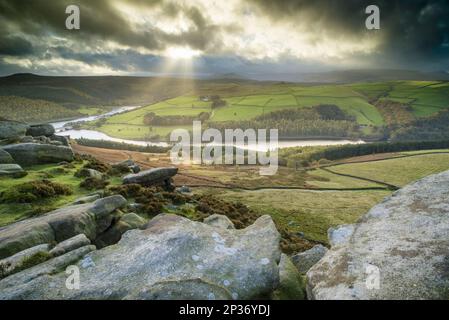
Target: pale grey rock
87,199
5,157
173,258
11,170
41,130
27,284
151,177
135,206
71,244
219,221
27,139
307,259
91,219
12,263
113,234
127,165
340,235
12,130
291,282
42,140
398,250
184,189
89,173
35,153
62,139
183,289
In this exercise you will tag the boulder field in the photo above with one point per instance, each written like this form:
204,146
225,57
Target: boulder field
398,250
90,219
170,257
25,145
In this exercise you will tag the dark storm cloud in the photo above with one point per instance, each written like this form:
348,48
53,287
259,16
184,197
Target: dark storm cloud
412,31
14,46
101,20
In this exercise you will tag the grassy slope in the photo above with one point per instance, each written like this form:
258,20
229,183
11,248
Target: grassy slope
27,110
425,97
310,212
397,171
314,212
11,212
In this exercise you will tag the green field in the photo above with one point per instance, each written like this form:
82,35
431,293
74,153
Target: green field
425,97
314,212
247,101
398,171
310,212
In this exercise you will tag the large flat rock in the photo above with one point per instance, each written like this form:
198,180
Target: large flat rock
90,219
41,130
27,154
172,258
5,157
151,177
12,130
398,250
11,170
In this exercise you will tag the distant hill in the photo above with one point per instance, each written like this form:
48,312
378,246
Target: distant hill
350,76
104,90
32,111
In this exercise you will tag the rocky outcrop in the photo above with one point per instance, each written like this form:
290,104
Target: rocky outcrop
90,219
87,199
307,259
172,258
340,234
46,130
219,221
11,264
27,154
12,170
71,244
112,235
127,166
62,139
291,283
398,250
5,157
26,284
152,177
12,130
89,173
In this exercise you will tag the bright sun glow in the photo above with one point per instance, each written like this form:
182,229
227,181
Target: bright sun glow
182,53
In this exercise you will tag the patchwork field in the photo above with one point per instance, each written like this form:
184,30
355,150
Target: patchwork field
245,102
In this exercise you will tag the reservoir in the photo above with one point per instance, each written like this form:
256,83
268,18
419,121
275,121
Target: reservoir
63,128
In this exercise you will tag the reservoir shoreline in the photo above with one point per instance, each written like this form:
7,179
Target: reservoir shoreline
284,142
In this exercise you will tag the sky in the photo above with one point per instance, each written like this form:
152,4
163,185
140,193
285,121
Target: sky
148,37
